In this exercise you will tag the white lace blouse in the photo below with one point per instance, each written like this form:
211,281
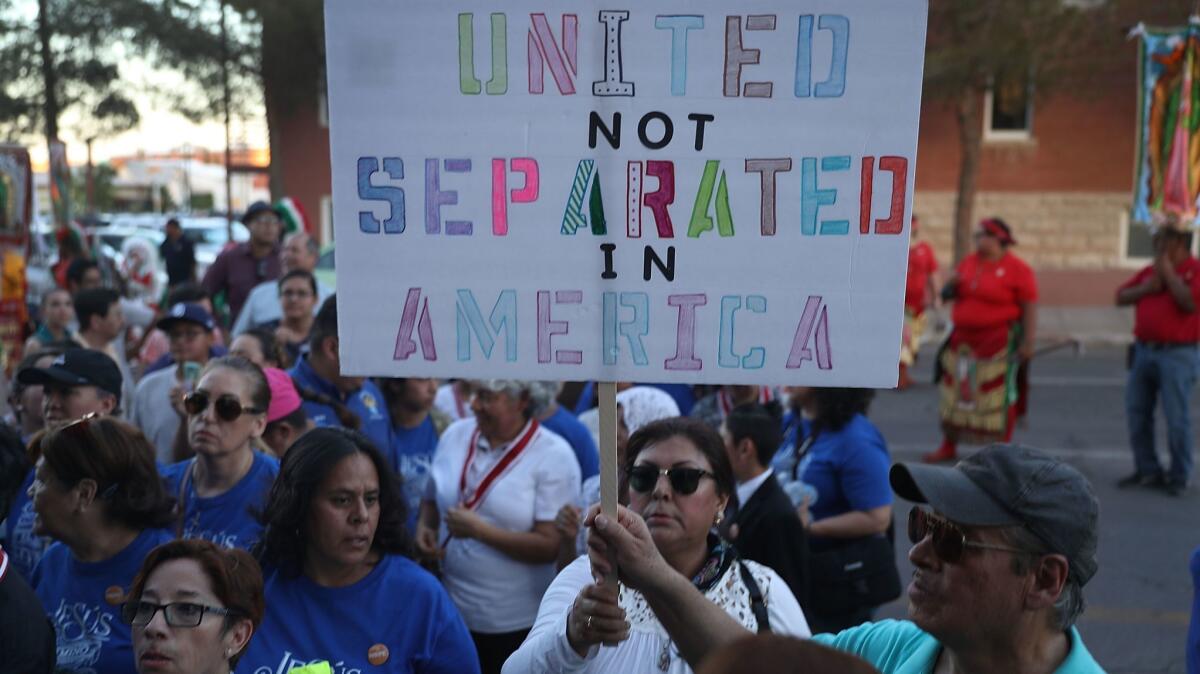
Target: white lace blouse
648,648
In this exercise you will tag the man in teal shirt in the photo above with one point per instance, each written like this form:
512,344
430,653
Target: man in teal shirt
1001,557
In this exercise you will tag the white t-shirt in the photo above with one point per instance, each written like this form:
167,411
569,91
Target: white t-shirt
546,649
494,592
450,405
151,411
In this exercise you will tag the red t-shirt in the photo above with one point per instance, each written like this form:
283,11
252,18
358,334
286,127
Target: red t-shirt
990,294
1157,318
921,264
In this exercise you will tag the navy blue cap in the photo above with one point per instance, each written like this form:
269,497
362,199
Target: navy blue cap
77,367
259,207
186,312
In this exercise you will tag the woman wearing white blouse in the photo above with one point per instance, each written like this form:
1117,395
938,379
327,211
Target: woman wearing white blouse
496,483
679,482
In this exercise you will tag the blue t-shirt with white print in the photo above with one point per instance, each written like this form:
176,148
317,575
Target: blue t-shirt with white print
24,548
83,600
229,519
398,609
366,403
413,454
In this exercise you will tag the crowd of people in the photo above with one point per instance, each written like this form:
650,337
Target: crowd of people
214,495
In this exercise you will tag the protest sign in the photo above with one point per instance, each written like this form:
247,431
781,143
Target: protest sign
669,191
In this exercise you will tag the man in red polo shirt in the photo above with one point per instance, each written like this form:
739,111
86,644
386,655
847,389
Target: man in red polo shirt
1165,361
921,285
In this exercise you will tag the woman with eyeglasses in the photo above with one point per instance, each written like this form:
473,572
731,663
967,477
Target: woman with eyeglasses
193,607
340,586
96,492
222,488
297,300
679,482
496,485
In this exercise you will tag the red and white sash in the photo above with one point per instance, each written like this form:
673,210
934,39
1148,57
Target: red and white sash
510,457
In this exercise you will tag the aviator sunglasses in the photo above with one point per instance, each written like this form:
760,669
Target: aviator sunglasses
227,406
949,540
684,481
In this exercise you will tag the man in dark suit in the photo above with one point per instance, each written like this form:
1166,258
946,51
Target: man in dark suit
764,527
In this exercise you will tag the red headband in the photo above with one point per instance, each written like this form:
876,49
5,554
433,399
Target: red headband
993,227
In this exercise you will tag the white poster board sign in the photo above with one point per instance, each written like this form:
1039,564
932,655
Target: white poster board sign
651,191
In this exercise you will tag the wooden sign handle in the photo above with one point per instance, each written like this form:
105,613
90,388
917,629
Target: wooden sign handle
607,394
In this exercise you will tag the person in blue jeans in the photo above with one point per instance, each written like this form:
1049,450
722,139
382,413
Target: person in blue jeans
1164,360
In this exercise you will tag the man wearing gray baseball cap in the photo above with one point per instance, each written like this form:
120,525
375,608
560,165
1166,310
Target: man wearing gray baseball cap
1002,552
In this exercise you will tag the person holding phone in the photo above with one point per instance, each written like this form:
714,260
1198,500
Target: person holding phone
158,401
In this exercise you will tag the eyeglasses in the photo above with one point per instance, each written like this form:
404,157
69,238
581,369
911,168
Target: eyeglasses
178,614
949,540
683,481
227,406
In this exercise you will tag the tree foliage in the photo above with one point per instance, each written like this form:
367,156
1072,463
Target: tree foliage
974,45
84,64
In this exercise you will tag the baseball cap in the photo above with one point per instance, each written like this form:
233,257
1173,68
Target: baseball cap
284,398
77,367
256,208
1012,485
186,312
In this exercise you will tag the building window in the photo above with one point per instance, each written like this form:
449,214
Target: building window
1008,111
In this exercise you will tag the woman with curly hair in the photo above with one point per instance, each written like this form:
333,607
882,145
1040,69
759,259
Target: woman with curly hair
844,460
96,492
339,584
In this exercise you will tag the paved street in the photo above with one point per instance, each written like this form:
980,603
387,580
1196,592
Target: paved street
1138,603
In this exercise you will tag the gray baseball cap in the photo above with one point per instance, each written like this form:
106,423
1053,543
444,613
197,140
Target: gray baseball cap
1012,485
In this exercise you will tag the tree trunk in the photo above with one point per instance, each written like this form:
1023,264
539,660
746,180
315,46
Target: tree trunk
49,77
271,102
970,137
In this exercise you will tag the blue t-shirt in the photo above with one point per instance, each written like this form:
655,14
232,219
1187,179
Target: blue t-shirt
23,547
398,605
230,519
83,602
900,647
848,469
413,453
366,403
576,435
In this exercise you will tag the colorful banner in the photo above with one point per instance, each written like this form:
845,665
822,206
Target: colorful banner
664,191
1167,181
16,213
60,183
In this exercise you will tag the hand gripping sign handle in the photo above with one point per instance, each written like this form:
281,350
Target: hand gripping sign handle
607,394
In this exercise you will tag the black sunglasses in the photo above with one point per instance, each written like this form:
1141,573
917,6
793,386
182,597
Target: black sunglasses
227,406
949,540
684,481
178,614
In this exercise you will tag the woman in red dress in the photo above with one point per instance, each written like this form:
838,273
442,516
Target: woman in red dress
982,365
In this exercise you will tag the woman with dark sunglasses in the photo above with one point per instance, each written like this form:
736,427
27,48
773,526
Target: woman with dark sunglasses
96,493
680,482
222,488
340,585
193,607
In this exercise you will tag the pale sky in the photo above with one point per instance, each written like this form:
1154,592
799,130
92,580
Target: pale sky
160,130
